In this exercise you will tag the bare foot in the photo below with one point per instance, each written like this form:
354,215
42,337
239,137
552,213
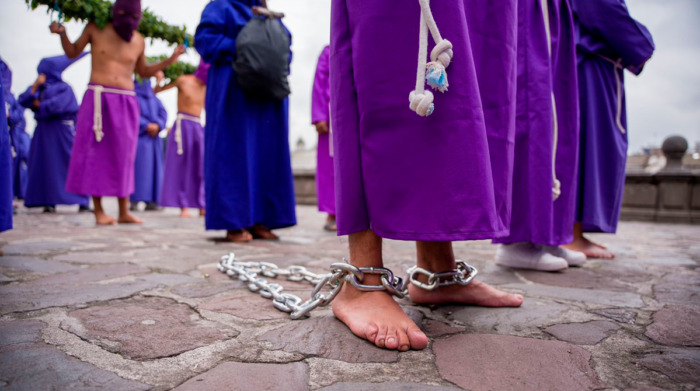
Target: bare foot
185,213
128,218
238,236
376,317
476,293
104,219
202,212
590,249
260,231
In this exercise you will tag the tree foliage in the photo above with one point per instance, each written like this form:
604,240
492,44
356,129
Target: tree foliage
174,71
100,12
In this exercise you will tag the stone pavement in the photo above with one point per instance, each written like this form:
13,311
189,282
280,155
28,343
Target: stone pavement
144,308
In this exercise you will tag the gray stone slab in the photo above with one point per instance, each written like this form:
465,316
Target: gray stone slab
386,386
235,376
533,314
326,337
143,328
608,278
589,333
676,325
593,296
95,257
35,265
617,314
93,284
434,329
244,304
205,289
43,247
500,362
26,363
679,288
680,365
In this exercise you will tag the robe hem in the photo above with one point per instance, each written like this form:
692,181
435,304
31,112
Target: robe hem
429,236
280,225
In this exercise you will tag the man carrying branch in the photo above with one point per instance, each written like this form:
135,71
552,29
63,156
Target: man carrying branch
104,151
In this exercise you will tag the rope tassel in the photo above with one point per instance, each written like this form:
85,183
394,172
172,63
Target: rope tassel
433,73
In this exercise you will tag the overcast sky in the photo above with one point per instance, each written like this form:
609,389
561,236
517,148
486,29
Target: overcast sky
663,100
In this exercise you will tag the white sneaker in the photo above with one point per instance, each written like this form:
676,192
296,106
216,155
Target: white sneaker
526,255
573,258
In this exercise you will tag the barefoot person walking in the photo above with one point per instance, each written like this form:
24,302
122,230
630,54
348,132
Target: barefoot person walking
107,127
183,183
436,175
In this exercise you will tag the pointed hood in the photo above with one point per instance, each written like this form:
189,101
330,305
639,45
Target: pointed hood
54,66
126,16
202,71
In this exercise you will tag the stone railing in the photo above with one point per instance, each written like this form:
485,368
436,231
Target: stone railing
670,195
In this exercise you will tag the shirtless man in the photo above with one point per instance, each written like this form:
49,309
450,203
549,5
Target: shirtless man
183,181
102,160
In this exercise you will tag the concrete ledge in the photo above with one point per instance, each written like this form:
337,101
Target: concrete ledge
667,196
305,186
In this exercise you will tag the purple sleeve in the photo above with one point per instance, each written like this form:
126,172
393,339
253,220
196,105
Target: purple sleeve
215,37
26,99
16,113
351,205
57,101
610,20
320,96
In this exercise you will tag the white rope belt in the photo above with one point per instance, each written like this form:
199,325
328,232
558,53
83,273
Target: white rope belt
97,117
178,130
68,122
618,80
421,101
556,184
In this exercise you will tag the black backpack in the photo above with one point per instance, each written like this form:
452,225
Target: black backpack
262,59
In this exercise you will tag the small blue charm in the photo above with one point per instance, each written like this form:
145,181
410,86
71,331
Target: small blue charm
436,78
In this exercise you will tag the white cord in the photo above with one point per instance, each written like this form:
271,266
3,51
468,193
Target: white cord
420,100
556,185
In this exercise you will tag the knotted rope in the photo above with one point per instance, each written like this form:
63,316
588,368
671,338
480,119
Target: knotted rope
421,101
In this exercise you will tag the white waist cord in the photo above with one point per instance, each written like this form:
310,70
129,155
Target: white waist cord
97,110
178,130
618,81
421,101
556,185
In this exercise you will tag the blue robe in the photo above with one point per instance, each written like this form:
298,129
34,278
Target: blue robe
52,142
247,167
20,141
148,175
608,41
5,167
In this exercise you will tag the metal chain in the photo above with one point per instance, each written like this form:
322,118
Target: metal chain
340,273
463,275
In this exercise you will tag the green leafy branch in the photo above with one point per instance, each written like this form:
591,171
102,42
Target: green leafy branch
173,71
100,12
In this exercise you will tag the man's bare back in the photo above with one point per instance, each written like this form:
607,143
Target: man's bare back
114,60
190,94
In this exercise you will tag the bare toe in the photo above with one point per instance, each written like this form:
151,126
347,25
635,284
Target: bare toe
381,336
417,339
371,333
392,340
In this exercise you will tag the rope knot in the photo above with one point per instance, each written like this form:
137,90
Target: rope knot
422,102
556,189
442,52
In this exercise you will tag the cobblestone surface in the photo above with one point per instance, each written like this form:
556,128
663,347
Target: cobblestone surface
144,308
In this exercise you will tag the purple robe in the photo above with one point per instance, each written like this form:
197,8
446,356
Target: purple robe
183,183
21,141
320,111
106,167
422,178
148,167
53,137
606,34
5,161
545,71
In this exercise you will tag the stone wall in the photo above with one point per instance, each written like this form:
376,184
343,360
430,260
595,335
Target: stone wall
672,197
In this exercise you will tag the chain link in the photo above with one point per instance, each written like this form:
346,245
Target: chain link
340,273
463,275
